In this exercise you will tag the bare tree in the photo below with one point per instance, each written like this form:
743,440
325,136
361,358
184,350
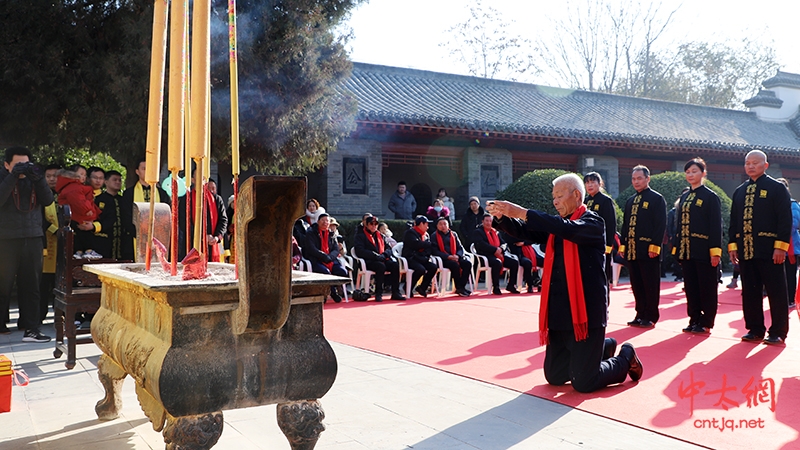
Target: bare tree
485,44
600,41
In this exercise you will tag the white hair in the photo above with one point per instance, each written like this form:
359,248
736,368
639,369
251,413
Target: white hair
573,181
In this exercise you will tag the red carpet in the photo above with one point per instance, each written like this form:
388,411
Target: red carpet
712,390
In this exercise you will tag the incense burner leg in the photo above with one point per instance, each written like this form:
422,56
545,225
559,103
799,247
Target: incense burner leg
198,432
111,376
301,422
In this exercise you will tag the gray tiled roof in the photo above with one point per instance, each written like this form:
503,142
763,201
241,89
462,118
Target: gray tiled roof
413,97
764,98
782,79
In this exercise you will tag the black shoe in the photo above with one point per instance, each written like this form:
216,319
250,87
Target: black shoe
421,291
774,340
336,297
699,329
496,291
689,328
379,297
462,293
635,371
530,289
35,336
397,295
512,289
634,322
609,348
644,324
752,337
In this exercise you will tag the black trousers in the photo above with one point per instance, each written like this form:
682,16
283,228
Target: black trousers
646,287
380,269
580,362
527,270
46,292
509,263
337,269
422,269
758,274
21,261
460,271
700,284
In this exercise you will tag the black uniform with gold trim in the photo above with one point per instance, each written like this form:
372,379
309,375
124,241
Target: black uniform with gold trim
643,226
761,221
698,238
113,241
603,205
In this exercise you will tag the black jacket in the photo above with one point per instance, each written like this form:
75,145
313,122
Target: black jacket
312,250
698,220
482,245
368,251
643,225
459,250
415,247
603,205
771,219
587,232
469,222
21,202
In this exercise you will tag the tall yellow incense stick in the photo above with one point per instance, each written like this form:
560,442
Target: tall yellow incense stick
155,112
187,123
234,63
201,75
177,82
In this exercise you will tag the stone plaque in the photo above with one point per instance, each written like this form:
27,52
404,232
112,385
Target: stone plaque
355,176
490,180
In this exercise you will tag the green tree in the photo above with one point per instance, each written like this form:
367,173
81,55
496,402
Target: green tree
485,45
76,75
534,190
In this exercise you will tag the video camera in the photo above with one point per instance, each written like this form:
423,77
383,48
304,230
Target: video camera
28,169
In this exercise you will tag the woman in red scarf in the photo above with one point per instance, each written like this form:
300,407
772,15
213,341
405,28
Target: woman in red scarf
574,299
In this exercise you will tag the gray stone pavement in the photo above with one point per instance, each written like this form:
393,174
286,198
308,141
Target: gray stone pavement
377,402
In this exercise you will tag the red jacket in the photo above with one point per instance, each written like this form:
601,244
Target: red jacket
79,197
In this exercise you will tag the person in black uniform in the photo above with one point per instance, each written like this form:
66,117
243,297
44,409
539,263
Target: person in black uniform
761,224
574,300
446,245
114,241
697,245
370,246
417,249
642,233
603,205
489,244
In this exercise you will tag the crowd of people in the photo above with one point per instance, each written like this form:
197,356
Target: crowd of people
101,217
579,245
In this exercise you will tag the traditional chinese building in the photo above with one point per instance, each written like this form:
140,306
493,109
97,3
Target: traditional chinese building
474,136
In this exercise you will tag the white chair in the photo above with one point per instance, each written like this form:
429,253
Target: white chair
364,275
305,266
444,284
397,251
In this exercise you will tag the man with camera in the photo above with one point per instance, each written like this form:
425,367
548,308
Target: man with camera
23,192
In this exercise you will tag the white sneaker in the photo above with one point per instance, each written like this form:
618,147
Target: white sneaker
78,255
91,254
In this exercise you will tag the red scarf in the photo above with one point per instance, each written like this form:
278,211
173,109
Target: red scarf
379,244
452,243
421,232
323,237
577,302
494,240
530,253
213,217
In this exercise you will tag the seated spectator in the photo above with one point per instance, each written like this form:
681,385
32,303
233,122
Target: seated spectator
383,227
417,249
297,254
447,245
84,212
313,211
437,210
333,226
488,243
447,202
323,252
472,219
527,257
370,246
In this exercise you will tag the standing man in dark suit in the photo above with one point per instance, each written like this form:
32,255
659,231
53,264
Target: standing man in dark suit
761,226
603,205
642,233
574,308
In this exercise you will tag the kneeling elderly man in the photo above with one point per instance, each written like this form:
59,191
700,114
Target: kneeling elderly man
574,300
